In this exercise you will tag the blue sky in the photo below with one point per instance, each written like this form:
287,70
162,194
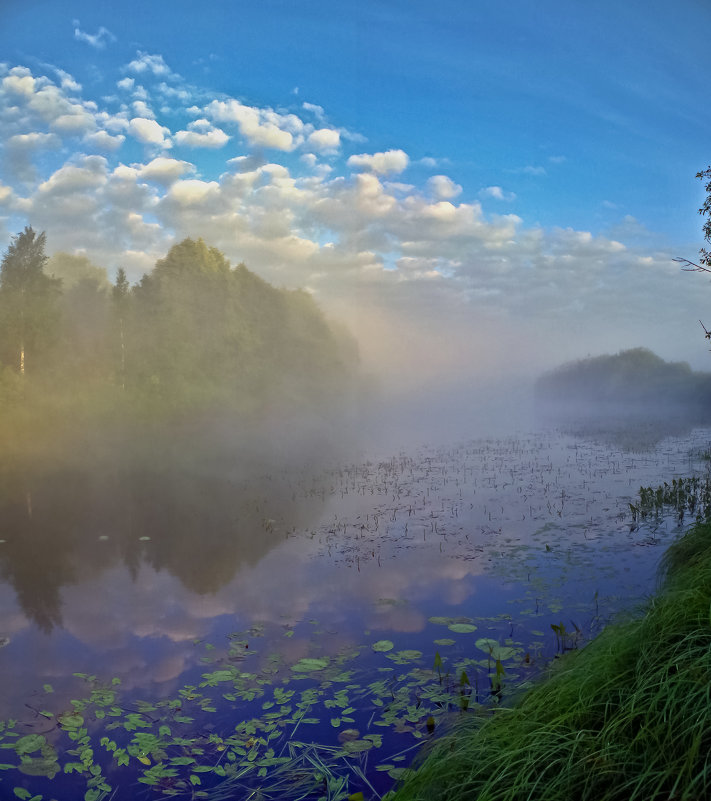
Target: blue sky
517,176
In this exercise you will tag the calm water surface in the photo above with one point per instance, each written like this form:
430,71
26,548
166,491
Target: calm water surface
265,588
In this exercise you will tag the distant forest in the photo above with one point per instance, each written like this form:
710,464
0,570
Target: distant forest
635,376
195,337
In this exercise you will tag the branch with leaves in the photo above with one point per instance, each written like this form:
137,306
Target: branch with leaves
704,263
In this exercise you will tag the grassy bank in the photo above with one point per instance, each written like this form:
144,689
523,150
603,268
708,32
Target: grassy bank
628,717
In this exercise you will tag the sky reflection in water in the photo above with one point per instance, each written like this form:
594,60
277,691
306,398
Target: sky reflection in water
526,527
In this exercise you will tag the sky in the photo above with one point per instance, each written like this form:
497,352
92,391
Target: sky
471,188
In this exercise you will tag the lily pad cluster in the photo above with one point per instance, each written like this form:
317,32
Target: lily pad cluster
241,730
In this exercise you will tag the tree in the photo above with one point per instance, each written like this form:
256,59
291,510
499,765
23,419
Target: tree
705,210
29,316
120,297
704,263
73,269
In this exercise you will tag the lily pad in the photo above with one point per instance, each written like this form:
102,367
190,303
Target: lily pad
496,651
71,721
357,746
310,664
462,628
29,743
383,645
40,766
403,657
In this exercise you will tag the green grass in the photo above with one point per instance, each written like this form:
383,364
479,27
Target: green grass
628,717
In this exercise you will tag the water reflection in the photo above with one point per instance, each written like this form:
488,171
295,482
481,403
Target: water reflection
128,571
67,527
629,427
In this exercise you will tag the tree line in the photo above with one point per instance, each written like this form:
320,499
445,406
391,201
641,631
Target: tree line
194,334
635,376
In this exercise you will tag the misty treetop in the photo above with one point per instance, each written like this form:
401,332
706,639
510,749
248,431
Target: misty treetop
28,303
632,376
195,334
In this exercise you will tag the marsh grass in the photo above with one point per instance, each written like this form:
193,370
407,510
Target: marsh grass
628,717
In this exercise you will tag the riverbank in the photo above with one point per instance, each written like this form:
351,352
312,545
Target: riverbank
628,717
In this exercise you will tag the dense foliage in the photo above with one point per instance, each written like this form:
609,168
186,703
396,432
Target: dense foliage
194,337
631,376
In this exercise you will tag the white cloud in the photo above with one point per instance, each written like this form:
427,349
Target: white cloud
497,193
324,140
67,81
202,133
390,161
317,111
102,140
97,40
5,194
22,148
19,82
141,109
88,173
247,163
75,123
443,187
262,127
149,63
192,192
164,170
409,250
33,141
149,132
533,170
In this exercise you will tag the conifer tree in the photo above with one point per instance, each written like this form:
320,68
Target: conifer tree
29,315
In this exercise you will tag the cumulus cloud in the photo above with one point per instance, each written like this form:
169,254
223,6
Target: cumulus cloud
390,161
164,170
33,141
261,127
149,63
402,250
19,82
201,133
5,194
324,140
142,109
443,187
192,192
88,173
102,140
22,148
149,132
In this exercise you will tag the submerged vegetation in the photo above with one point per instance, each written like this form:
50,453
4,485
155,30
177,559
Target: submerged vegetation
628,717
635,376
